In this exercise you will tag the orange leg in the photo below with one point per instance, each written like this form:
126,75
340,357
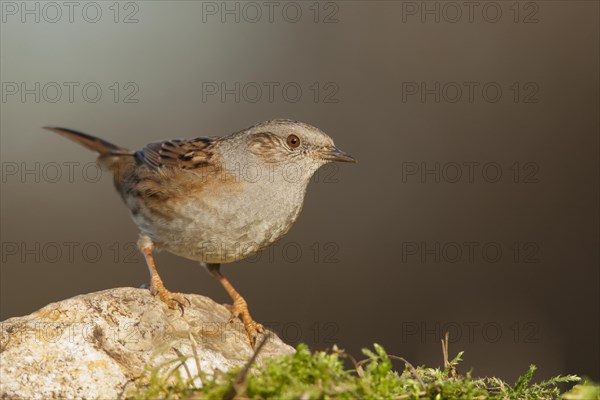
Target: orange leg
172,300
240,307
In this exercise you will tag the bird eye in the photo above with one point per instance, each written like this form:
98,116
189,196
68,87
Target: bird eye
293,141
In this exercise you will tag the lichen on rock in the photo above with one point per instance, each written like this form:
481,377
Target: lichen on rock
91,346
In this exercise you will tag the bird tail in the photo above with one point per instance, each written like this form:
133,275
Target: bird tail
93,143
118,160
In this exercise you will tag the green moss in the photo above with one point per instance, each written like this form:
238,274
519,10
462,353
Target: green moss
322,375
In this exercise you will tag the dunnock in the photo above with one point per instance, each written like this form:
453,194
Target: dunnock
216,200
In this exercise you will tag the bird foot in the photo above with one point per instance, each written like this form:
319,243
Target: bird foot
253,328
173,300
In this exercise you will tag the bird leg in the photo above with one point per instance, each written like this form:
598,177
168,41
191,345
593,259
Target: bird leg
240,307
172,300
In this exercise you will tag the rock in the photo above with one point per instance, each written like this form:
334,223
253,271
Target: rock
94,345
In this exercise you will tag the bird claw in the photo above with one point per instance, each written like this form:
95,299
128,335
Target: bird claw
172,300
253,328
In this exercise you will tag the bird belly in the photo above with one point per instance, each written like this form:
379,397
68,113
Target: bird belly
215,233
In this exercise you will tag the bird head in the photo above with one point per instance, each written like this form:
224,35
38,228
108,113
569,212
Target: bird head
292,143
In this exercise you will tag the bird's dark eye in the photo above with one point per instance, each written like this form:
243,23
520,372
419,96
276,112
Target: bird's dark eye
293,141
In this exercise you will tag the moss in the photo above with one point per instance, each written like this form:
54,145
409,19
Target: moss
322,375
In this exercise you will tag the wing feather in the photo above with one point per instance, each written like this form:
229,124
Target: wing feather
177,153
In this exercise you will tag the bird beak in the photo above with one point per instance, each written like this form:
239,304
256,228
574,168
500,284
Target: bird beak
335,154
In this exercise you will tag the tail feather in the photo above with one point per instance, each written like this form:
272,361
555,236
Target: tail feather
91,142
118,160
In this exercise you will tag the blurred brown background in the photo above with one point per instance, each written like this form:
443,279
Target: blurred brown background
473,209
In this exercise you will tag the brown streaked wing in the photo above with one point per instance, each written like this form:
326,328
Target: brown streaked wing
178,153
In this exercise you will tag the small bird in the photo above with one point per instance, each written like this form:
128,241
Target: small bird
215,200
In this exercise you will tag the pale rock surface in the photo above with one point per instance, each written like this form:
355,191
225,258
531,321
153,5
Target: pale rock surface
93,346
